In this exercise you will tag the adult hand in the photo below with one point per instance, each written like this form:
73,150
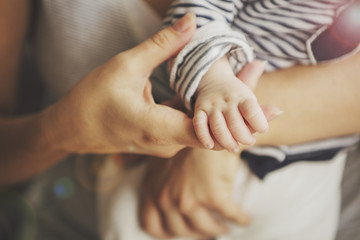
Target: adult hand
181,195
112,110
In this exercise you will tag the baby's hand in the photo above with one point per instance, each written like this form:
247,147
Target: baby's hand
226,110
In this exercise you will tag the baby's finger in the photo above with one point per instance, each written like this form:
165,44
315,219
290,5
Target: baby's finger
238,127
271,112
202,131
221,132
253,114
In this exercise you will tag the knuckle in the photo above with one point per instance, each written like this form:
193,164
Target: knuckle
124,61
157,145
164,199
203,138
217,202
250,108
186,204
233,121
161,39
230,99
150,138
197,121
217,129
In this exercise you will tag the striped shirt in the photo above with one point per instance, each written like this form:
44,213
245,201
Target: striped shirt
282,32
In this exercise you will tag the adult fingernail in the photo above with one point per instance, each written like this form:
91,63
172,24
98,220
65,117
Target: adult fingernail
209,146
235,150
275,115
253,141
264,63
184,23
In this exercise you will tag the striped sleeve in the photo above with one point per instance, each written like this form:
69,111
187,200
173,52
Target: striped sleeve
213,39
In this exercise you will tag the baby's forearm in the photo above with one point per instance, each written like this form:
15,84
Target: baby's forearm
219,71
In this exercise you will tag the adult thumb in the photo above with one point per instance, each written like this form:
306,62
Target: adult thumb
164,44
251,73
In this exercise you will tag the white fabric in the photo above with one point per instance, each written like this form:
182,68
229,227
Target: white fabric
301,201
76,36
72,38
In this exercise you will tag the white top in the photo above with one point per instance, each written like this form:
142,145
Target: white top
72,38
76,36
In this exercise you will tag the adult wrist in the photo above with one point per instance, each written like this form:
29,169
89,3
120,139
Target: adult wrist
53,131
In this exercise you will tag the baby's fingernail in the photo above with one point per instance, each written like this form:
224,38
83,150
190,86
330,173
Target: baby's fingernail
184,23
209,146
235,150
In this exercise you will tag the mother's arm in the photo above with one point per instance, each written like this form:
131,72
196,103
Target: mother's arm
180,194
309,96
318,101
111,110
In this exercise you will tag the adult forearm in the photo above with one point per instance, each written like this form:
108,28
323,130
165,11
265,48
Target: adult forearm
111,110
318,102
26,148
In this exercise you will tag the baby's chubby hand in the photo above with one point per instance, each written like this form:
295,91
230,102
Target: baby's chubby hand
226,110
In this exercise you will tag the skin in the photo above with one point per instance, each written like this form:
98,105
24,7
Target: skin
95,116
10,49
111,110
32,135
330,109
224,108
179,200
199,181
181,194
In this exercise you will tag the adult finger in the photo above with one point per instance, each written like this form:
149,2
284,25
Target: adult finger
225,209
271,112
251,73
202,221
163,44
172,126
151,221
176,225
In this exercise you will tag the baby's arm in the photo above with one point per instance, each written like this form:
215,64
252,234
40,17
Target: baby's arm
226,110
223,101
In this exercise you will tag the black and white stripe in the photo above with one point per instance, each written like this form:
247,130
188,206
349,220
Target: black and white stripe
278,31
210,43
